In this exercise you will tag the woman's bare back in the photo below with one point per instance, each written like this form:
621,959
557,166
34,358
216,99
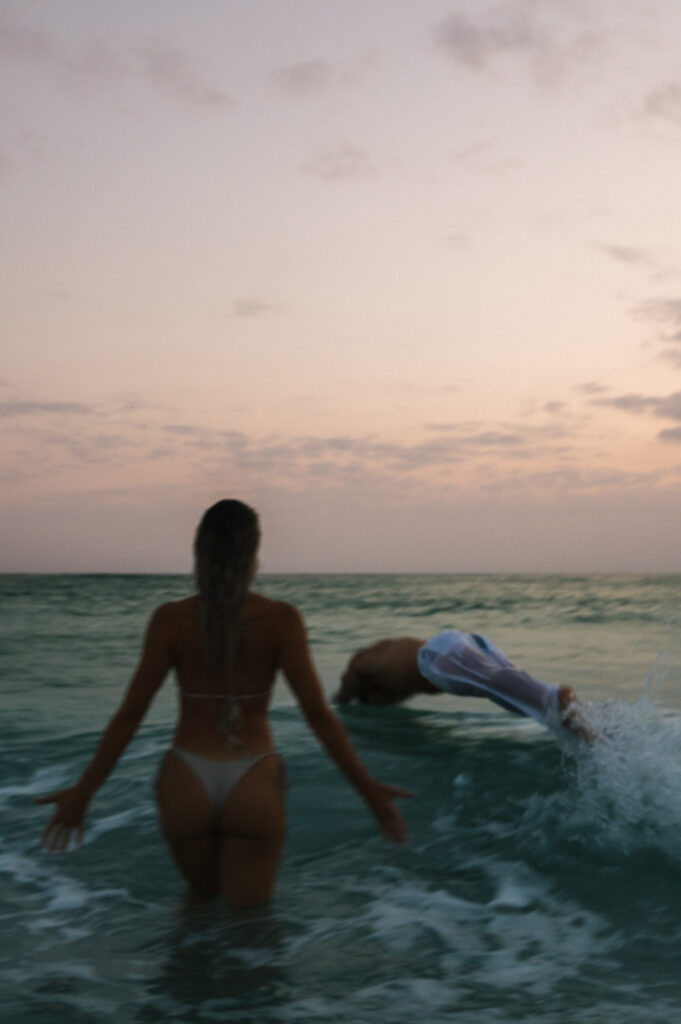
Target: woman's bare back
245,686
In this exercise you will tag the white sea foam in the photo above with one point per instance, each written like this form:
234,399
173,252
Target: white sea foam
43,781
536,950
22,868
110,823
71,969
462,781
513,895
68,895
628,793
527,936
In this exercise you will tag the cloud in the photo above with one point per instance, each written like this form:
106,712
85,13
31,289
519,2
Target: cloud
340,163
46,438
252,308
628,254
668,407
20,407
170,71
174,74
475,473
637,256
663,311
591,387
474,44
457,241
341,456
19,43
626,403
480,156
307,78
183,429
671,434
93,59
54,442
366,461
515,31
665,102
313,78
671,355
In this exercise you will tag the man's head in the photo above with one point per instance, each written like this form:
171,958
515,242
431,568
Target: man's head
384,673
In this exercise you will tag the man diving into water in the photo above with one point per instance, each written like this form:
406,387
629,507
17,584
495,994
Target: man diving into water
465,664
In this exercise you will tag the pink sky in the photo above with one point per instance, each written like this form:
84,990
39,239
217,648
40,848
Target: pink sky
405,276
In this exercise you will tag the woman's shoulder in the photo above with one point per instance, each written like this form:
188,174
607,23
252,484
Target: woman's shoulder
260,607
277,622
171,613
182,606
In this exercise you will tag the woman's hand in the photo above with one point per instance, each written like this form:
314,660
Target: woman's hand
68,818
390,821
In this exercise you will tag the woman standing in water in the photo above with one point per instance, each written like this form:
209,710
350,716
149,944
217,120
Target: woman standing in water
220,787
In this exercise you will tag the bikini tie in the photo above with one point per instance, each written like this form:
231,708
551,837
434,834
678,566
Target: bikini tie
230,718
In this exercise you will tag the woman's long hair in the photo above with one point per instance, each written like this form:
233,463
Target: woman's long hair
225,549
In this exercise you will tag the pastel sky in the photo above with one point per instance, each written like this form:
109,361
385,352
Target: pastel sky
404,274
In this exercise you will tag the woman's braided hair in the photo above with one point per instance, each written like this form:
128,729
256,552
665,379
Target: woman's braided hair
225,547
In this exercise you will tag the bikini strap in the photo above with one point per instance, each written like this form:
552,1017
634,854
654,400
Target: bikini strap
221,696
230,714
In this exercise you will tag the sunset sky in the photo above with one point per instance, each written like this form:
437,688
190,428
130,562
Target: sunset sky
404,274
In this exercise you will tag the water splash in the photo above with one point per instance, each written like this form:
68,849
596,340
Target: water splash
628,782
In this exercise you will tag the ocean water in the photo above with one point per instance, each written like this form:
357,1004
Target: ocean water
541,882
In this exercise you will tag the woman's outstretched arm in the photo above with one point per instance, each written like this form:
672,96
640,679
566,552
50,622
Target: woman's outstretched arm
68,818
302,678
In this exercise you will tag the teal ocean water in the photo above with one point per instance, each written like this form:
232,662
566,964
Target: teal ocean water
541,882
